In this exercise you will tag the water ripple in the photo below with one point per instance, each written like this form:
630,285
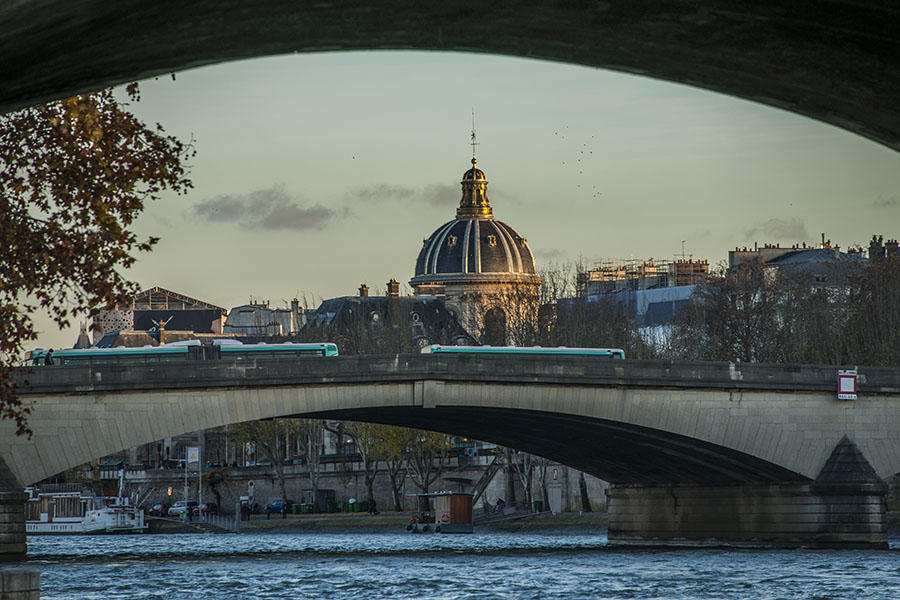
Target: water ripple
435,567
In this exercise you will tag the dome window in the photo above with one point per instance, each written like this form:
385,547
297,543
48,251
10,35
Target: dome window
451,240
492,240
415,317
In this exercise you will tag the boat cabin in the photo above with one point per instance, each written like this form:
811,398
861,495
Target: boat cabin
442,512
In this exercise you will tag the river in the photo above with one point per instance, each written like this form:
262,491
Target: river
482,566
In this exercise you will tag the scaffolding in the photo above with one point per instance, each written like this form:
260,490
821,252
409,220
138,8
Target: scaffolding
641,274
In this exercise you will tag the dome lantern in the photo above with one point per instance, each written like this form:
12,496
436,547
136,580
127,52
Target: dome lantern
474,201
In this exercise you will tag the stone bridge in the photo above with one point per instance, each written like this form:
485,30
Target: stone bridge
696,452
834,61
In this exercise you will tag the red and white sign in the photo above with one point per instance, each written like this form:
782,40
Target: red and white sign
846,385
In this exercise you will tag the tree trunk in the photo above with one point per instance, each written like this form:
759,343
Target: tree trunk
510,480
397,475
371,467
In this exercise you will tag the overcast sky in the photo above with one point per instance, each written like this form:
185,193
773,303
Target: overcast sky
315,173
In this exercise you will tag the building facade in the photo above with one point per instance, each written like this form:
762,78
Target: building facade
157,305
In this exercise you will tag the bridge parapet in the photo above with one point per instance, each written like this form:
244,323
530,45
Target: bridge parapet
75,379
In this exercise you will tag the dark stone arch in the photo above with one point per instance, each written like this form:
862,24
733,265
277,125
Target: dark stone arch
615,452
830,61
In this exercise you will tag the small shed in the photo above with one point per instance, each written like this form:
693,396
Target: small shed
443,512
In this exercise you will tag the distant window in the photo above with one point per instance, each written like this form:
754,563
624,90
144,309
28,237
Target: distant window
451,240
492,240
415,317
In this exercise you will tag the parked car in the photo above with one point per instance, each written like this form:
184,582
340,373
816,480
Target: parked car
160,509
181,506
278,506
207,508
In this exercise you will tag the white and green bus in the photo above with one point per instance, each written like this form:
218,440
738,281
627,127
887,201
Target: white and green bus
615,353
178,351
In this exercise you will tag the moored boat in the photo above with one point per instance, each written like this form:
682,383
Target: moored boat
79,512
442,512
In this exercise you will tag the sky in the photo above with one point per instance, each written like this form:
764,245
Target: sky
315,173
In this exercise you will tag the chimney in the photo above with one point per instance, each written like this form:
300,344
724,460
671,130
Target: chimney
892,248
393,288
393,301
295,315
363,290
876,249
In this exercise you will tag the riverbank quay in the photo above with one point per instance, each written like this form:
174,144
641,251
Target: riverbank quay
594,523
394,522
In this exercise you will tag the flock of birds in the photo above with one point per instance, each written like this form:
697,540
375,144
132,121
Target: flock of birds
583,155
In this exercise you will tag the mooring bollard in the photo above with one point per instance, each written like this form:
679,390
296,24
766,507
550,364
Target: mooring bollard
20,584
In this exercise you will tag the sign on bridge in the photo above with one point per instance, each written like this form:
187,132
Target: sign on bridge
847,384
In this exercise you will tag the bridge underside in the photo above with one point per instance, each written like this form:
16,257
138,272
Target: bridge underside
831,61
615,452
670,490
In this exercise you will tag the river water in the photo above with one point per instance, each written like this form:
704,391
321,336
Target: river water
401,566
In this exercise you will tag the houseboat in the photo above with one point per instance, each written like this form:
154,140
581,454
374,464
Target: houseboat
78,512
442,512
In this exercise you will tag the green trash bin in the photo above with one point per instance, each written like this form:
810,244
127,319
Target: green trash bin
295,508
339,506
537,506
306,508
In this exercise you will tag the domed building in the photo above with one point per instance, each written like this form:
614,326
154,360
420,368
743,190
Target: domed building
482,267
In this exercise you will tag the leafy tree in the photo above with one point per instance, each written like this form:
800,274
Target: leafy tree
74,175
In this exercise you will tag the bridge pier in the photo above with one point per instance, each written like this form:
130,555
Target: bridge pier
12,516
12,526
843,508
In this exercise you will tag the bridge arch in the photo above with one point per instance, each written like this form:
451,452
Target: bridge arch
832,62
604,446
641,422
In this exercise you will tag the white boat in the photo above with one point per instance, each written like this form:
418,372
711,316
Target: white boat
79,512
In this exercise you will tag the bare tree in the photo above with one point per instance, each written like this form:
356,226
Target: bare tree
266,436
427,457
310,432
